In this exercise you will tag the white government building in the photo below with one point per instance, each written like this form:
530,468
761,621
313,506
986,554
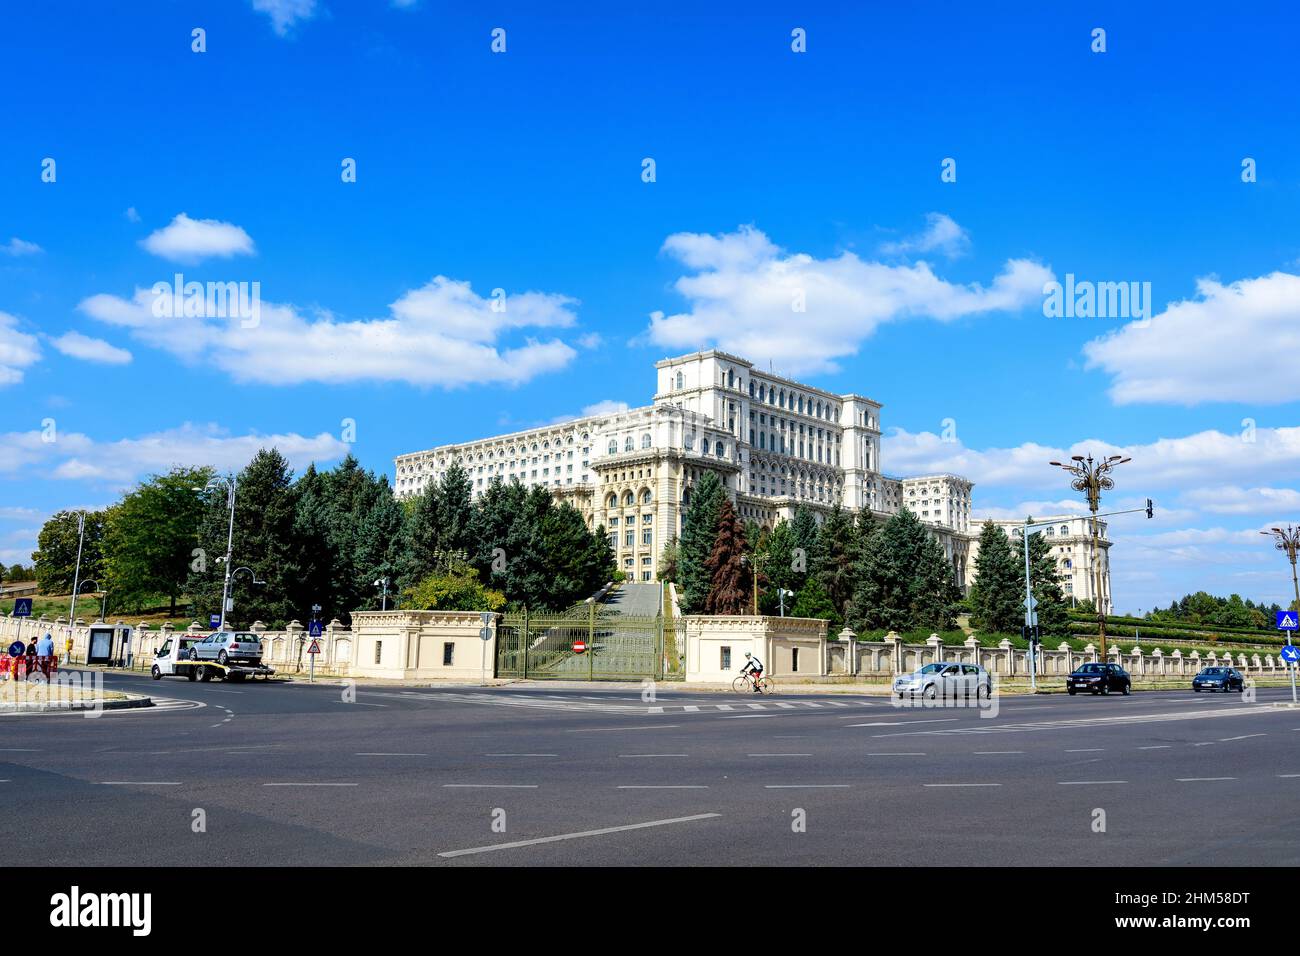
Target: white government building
775,443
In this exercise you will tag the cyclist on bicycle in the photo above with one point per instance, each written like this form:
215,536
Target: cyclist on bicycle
755,667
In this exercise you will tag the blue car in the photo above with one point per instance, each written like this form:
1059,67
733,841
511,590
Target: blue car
1219,678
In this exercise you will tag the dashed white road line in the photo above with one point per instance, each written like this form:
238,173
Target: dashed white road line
591,730
806,786
992,753
580,834
308,784
1242,737
961,785
780,755
653,755
1202,779
140,783
662,786
895,753
490,786
1087,750
521,755
376,754
1086,783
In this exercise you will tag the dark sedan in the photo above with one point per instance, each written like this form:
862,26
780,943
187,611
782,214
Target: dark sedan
1219,678
1099,679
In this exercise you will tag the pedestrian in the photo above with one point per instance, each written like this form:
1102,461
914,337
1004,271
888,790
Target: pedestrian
45,651
67,650
31,659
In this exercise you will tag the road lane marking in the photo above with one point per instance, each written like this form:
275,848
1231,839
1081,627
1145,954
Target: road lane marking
140,783
895,754
904,723
725,707
1288,776
580,834
780,755
1242,737
521,755
1202,779
748,716
490,786
1157,747
378,754
961,785
654,755
19,750
293,784
990,753
654,710
1086,783
691,709
755,706
806,786
590,730
662,786
1087,750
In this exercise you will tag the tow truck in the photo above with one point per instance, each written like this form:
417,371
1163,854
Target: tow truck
173,660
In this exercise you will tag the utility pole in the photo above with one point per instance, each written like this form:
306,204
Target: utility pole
1092,478
229,484
76,574
1287,540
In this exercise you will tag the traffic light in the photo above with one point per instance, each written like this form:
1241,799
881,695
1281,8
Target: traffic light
1151,510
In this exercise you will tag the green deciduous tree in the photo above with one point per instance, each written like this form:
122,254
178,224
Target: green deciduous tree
456,589
56,551
150,537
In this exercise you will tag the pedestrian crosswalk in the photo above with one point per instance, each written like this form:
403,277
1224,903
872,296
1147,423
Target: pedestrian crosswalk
577,704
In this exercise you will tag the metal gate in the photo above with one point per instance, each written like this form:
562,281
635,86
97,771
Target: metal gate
616,646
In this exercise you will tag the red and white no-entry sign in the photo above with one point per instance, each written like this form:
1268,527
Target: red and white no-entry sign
579,646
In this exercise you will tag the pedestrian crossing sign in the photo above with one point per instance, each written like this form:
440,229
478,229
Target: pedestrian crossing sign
1288,621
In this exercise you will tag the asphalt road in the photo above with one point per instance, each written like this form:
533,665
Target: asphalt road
461,776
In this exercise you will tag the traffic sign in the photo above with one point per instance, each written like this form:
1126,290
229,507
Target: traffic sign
315,647
16,649
315,629
1288,621
1291,653
214,621
22,607
579,646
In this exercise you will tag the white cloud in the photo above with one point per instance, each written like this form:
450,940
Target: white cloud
1233,343
1236,500
441,334
17,350
131,214
75,456
743,295
193,240
18,247
89,349
941,234
285,14
1187,462
606,407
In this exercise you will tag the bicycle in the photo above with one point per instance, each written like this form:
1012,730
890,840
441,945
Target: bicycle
745,682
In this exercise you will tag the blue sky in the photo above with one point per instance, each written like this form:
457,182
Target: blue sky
774,170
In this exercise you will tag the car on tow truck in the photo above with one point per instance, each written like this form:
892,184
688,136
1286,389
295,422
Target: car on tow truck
177,658
228,647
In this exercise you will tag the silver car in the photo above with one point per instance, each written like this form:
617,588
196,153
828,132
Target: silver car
946,679
228,647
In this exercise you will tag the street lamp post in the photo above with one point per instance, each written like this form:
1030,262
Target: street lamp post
1287,540
1092,478
383,583
76,574
229,484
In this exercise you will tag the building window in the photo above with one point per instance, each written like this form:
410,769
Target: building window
448,651
724,663
680,380
646,537
645,440
645,496
794,660
379,650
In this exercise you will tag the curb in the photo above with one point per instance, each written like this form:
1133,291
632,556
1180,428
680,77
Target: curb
72,707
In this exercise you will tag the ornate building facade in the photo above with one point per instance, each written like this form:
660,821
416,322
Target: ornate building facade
775,443
1070,539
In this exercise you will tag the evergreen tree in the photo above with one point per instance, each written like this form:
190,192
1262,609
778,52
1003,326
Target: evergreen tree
265,541
937,594
668,561
837,552
778,567
997,596
886,591
1052,609
699,533
729,579
813,601
421,538
804,531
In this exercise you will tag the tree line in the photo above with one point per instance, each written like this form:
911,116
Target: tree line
854,570
324,538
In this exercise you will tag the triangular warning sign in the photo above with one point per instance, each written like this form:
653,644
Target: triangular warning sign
1288,621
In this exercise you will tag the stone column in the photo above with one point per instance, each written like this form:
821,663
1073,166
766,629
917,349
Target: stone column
895,651
935,643
974,645
295,648
1090,653
1009,656
850,650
